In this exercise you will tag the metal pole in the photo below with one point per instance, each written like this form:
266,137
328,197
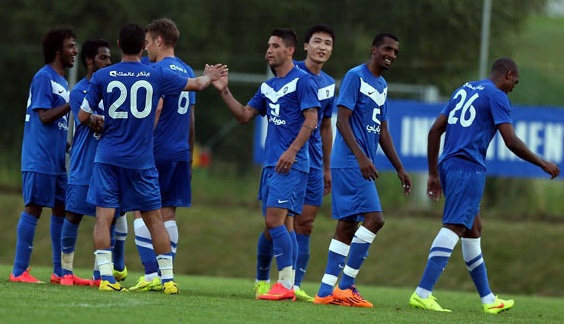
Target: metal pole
485,39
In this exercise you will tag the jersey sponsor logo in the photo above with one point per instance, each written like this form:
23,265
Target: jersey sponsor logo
175,67
276,121
130,74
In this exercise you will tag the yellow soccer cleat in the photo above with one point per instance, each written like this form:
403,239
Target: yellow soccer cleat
142,285
170,288
105,285
429,303
261,288
498,306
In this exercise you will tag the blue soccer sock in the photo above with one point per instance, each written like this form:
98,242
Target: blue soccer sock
294,253
104,262
302,259
56,228
440,252
145,248
282,247
69,234
338,252
472,254
118,251
358,252
24,243
172,229
264,257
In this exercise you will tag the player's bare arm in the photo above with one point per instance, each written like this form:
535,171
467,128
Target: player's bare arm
367,168
433,145
289,156
518,147
211,73
326,133
387,145
49,116
242,114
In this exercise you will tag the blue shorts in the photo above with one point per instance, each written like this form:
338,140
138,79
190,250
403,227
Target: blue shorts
174,181
282,190
463,185
76,200
314,189
42,189
352,196
123,188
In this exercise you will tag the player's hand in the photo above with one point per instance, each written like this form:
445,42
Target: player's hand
285,162
221,84
405,181
327,182
367,168
551,169
215,72
97,124
434,190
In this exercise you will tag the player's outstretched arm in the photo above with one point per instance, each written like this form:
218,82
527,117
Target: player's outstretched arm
243,114
211,73
518,147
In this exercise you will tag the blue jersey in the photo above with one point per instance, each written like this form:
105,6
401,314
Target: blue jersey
366,95
283,100
325,95
173,127
44,146
85,141
473,113
130,92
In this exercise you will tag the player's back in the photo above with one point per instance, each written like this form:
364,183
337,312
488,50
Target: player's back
473,113
130,92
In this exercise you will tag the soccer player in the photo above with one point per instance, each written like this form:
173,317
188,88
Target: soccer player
44,175
475,112
94,54
124,175
318,44
362,125
173,147
289,100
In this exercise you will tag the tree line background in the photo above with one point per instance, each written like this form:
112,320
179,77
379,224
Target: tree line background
439,45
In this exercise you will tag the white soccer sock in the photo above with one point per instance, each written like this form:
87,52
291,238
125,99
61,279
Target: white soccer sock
165,266
285,277
172,229
67,261
104,262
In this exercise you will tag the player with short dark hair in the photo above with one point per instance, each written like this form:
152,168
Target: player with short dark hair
124,175
362,124
318,44
475,113
289,100
44,175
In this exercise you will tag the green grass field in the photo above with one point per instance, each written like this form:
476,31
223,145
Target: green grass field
224,300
